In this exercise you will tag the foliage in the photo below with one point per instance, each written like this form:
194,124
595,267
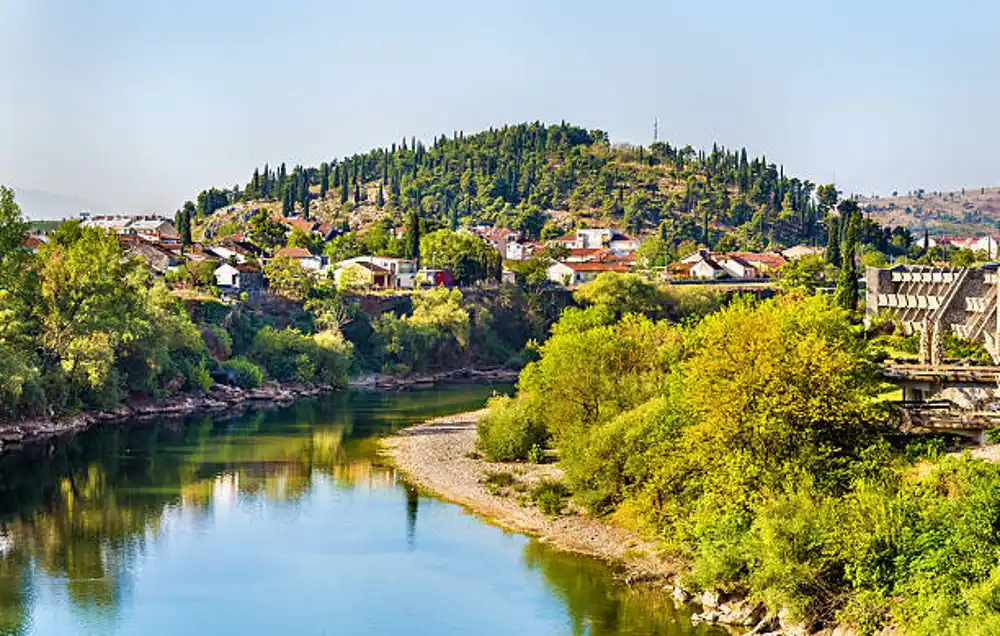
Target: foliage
288,354
550,497
508,432
805,274
436,335
623,294
465,255
288,278
248,374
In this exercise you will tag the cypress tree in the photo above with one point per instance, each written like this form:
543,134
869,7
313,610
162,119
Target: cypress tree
357,192
324,180
833,241
413,236
847,283
381,197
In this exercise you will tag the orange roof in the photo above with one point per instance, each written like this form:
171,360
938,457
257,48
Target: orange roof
294,252
596,267
31,242
771,261
302,224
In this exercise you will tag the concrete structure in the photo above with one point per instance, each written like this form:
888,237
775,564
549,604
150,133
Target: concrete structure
151,227
932,301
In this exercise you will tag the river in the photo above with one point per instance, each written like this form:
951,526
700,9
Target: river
281,522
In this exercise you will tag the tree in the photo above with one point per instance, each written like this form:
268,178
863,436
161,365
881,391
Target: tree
833,241
466,256
300,238
412,236
622,294
381,197
287,278
847,295
324,180
805,274
265,232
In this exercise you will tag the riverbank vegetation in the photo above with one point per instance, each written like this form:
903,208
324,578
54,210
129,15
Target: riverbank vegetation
753,443
85,327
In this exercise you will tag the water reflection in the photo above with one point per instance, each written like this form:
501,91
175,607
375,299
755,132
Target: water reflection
77,516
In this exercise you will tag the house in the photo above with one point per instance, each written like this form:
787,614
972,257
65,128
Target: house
32,242
240,251
599,238
158,258
243,278
800,251
986,244
497,237
736,267
154,228
577,273
434,277
583,255
517,251
402,270
707,268
360,273
765,263
623,244
306,259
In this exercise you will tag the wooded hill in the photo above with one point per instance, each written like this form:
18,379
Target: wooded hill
538,179
966,212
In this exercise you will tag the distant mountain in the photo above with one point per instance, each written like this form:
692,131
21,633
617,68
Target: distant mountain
967,212
42,205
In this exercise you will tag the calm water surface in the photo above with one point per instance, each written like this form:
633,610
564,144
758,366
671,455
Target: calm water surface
280,523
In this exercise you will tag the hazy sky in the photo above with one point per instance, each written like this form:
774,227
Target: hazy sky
139,104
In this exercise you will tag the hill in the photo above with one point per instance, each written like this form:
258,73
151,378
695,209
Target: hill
538,179
971,212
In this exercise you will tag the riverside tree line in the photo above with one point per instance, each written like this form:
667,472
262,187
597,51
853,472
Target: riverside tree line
754,444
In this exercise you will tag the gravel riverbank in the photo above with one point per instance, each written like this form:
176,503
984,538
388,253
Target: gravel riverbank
439,456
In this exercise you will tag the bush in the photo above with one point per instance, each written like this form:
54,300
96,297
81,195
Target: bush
288,354
248,374
508,432
199,377
550,497
496,482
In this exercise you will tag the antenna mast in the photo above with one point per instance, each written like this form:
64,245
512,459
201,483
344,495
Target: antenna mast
656,130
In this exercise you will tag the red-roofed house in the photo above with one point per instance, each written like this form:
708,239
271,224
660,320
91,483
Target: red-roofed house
305,258
578,273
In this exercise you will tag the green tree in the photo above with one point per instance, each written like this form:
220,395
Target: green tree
847,294
265,232
412,236
288,279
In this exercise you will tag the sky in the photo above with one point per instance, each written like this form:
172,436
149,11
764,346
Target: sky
138,105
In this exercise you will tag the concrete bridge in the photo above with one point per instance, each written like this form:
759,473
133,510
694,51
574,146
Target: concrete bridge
947,398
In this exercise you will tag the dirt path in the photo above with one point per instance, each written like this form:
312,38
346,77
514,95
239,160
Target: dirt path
438,456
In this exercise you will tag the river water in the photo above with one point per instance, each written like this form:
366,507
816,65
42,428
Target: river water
281,522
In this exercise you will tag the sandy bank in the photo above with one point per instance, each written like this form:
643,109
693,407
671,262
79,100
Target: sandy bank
437,456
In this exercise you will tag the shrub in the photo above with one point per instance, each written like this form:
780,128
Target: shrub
199,377
248,374
550,497
536,455
508,432
495,482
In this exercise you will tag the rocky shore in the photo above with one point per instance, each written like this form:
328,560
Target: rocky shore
413,381
439,456
220,399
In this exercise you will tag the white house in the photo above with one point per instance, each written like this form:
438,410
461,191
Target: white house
706,268
579,273
799,251
242,277
736,267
